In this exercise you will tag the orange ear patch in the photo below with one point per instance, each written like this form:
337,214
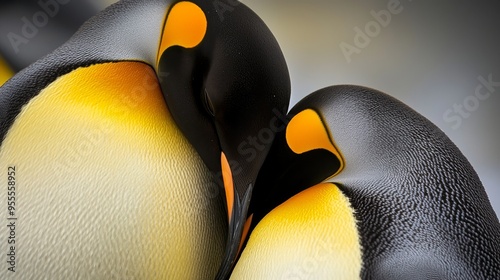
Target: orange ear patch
186,26
307,132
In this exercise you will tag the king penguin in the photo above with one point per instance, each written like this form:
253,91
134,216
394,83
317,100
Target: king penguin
360,186
120,148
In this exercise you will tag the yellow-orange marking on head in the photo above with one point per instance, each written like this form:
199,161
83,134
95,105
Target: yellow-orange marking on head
186,26
307,132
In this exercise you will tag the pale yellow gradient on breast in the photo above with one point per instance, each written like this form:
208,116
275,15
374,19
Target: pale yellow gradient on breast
311,236
5,71
107,186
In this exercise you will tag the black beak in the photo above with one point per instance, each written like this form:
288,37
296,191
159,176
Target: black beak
237,206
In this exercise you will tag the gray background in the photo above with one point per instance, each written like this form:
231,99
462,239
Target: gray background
429,56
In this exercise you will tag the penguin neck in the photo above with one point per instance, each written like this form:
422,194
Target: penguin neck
122,36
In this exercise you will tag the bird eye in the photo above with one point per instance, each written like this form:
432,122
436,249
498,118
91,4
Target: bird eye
208,103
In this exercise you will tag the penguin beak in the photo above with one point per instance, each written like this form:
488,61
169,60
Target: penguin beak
237,206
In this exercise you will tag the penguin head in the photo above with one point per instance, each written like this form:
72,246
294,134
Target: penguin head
220,69
304,154
351,134
224,77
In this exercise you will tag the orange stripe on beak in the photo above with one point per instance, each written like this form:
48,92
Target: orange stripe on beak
246,229
227,177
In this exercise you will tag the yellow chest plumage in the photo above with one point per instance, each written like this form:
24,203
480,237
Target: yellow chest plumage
313,235
107,186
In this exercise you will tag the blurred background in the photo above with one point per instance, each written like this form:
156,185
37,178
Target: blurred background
430,55
433,56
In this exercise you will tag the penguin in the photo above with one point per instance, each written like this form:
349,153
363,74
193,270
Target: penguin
122,147
360,186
